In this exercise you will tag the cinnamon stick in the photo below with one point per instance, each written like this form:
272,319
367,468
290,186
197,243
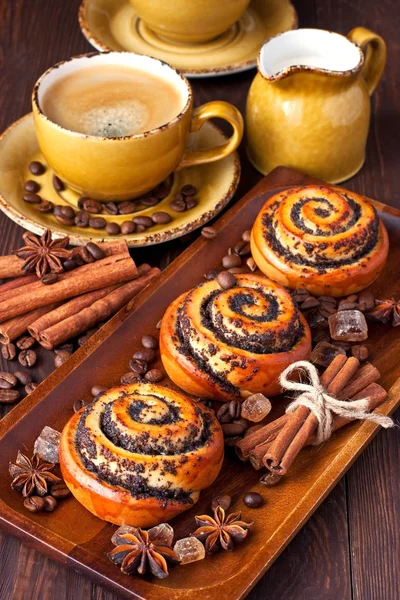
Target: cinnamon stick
13,328
13,284
113,269
366,375
259,437
100,310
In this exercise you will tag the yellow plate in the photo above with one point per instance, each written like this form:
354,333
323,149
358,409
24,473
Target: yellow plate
216,183
113,25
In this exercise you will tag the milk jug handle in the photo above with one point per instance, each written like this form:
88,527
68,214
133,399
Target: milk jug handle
374,48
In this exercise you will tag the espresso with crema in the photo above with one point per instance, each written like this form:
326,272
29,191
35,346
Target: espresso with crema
111,101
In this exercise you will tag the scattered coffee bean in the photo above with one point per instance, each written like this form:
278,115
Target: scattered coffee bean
270,479
27,358
37,168
309,302
191,202
31,186
126,208
34,504
253,429
251,263
49,278
231,260
143,220
223,501
78,404
223,410
360,352
97,222
8,351
346,305
209,233
238,270
128,378
246,235
232,429
162,191
149,341
161,218
226,280
150,201
80,202
154,375
64,214
91,206
32,198
253,500
8,396
58,185
82,253
188,190
60,490
366,301
140,228
50,503
113,229
82,218
7,380
128,227
98,389
242,422
30,387
23,377
70,264
178,204
146,354
61,357
95,251
67,346
138,366
242,248
45,206
111,208
234,409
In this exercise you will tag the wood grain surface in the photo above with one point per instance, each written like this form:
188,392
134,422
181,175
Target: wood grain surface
350,548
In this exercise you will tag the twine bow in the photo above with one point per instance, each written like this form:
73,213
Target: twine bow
315,397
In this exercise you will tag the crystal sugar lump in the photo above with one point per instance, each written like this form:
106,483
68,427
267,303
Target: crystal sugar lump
163,533
324,353
121,531
348,326
255,408
47,445
189,550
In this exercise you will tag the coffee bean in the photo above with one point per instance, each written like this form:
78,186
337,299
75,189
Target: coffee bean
241,248
211,275
149,341
188,190
346,305
223,410
68,212
30,387
226,280
50,503
92,206
232,260
150,201
223,501
326,301
191,202
128,378
49,278
270,479
366,301
8,351
8,396
161,218
98,389
70,264
154,375
64,214
242,422
67,346
31,186
126,208
143,220
81,200
140,228
37,168
361,352
82,218
209,233
78,404
25,342
113,229
60,490
178,205
7,380
162,191
246,235
111,208
61,357
95,251
27,358
34,504
238,270
82,253
253,500
251,263
45,206
23,377
232,429
146,354
309,302
128,227
234,409
138,366
32,198
58,185
97,222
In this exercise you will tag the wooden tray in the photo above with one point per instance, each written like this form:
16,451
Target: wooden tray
76,538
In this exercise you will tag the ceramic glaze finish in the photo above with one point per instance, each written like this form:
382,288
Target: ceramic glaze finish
190,22
308,106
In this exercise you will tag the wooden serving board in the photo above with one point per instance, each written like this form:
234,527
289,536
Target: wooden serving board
76,538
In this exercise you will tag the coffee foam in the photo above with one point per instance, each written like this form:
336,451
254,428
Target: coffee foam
128,117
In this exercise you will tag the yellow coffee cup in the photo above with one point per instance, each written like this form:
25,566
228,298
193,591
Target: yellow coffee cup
190,21
120,168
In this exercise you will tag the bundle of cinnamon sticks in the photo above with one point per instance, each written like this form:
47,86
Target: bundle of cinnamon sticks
277,444
75,303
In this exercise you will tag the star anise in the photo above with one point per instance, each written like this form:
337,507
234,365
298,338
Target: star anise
385,311
43,254
31,476
221,530
137,553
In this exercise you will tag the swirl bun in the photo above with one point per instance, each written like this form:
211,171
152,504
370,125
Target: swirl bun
228,344
327,240
140,454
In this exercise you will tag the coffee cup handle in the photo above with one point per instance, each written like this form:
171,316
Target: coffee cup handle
212,110
374,48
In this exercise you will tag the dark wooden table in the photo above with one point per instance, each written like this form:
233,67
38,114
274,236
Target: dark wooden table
350,548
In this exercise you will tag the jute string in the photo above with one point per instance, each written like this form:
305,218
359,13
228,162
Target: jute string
324,406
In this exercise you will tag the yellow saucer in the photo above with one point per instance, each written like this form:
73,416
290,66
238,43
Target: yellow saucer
215,182
113,25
